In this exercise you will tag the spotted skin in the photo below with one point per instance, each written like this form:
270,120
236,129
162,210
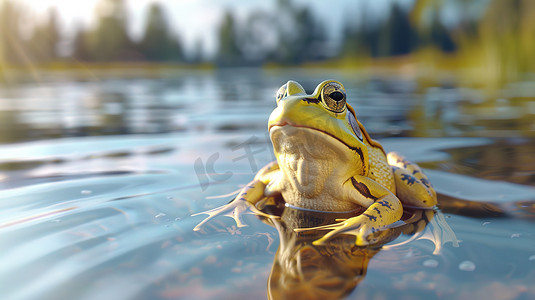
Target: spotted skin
412,185
372,218
410,180
426,182
385,210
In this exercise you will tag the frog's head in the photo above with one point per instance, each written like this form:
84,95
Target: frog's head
319,126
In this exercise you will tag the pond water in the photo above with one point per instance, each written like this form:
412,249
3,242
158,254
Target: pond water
101,173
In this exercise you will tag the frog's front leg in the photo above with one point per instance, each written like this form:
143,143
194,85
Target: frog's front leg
412,186
245,200
385,209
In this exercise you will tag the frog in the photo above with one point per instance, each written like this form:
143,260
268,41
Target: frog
326,161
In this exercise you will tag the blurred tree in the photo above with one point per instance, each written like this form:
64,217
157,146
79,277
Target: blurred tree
53,34
440,36
158,44
109,41
45,38
507,32
397,36
300,35
312,39
364,37
257,40
81,45
372,37
284,20
197,53
229,53
425,16
354,38
11,44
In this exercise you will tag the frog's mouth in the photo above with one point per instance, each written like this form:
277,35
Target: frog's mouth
353,148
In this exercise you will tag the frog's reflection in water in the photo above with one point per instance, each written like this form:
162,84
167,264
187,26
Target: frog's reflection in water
302,270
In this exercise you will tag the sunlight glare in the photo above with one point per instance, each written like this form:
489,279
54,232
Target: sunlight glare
68,8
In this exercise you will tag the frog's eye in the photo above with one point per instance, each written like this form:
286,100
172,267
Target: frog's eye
281,93
333,97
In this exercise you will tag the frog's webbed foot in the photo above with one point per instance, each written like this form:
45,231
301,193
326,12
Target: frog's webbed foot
364,231
372,225
350,226
430,225
412,186
439,232
235,209
242,204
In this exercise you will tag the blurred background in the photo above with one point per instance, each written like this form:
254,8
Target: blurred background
490,34
493,36
467,64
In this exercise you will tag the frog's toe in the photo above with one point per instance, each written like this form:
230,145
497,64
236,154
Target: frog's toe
324,239
365,233
361,238
211,214
323,227
255,211
351,227
235,210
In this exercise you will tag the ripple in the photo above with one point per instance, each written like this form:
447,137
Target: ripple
58,195
118,226
467,266
89,239
74,256
430,263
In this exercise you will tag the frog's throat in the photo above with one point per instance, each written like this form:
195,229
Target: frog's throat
357,150
312,163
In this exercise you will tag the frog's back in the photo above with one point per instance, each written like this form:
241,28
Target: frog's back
380,170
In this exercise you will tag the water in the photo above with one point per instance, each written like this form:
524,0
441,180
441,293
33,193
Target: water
100,176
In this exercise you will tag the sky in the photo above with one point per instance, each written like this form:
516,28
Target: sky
196,20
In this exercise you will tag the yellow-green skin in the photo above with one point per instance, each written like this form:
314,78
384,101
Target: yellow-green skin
327,161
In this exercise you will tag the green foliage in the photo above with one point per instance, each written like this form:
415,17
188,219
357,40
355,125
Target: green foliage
43,44
10,41
355,41
397,36
158,44
441,37
109,41
40,47
229,52
300,36
499,41
81,50
290,35
507,37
